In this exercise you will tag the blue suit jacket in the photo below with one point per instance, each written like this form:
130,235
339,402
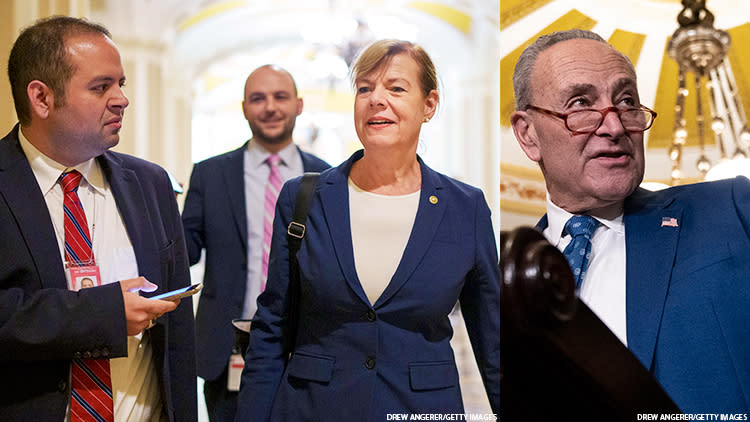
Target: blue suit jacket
688,292
43,325
215,219
356,361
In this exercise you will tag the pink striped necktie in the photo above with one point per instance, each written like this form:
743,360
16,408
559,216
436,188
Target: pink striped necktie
91,396
272,193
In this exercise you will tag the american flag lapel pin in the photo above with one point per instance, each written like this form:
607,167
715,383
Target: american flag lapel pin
668,222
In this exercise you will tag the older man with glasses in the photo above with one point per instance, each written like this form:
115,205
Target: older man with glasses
668,272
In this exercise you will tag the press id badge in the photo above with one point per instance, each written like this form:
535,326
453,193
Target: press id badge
84,277
234,374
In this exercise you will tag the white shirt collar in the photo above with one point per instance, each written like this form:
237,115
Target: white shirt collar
47,170
557,217
258,154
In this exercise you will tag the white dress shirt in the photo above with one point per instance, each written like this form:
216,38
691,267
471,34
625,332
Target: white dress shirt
256,173
135,384
603,287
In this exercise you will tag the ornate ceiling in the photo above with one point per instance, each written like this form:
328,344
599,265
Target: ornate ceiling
641,29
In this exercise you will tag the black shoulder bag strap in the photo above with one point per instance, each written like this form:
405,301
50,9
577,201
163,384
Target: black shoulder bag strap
294,234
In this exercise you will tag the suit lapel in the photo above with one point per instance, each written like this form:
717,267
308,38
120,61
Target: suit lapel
23,196
650,248
306,161
335,201
426,224
131,203
233,174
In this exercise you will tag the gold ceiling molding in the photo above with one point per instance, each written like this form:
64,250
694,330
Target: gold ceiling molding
523,208
522,190
629,43
522,197
209,11
522,172
452,16
513,10
211,81
572,19
740,62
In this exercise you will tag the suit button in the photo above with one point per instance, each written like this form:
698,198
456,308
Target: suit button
370,362
86,354
77,355
371,315
62,386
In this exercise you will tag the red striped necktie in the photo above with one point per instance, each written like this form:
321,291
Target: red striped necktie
91,397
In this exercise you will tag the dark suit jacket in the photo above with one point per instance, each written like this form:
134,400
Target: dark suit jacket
354,361
688,292
215,219
43,325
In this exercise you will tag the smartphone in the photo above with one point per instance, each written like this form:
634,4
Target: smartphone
179,293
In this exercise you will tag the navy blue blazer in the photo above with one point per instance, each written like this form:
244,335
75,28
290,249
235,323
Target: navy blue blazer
215,219
688,292
43,325
356,361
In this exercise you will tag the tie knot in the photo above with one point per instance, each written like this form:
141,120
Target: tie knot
70,181
273,160
581,225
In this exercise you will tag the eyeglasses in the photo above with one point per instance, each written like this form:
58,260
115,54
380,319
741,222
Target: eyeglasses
634,119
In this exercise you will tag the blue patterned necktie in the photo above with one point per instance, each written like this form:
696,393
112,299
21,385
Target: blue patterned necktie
581,228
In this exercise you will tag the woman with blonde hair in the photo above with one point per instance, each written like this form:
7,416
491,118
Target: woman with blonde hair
390,246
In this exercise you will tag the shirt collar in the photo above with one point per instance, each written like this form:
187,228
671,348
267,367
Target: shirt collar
258,154
557,217
47,171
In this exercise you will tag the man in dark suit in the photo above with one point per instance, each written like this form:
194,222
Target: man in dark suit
67,77
225,214
668,272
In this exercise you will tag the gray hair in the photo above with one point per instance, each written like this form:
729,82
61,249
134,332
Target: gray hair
527,60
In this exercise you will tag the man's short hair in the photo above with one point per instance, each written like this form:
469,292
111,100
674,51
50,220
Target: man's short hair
527,60
39,53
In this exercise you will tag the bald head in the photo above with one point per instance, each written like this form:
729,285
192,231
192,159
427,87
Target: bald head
271,106
267,70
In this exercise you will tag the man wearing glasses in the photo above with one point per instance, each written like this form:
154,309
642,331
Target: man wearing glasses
668,272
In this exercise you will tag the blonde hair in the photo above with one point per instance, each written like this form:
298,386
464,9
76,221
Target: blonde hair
380,53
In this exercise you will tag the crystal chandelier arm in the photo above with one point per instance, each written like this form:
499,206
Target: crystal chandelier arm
703,162
679,132
732,84
736,112
718,111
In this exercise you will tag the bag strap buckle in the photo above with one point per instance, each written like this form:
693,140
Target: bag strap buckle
296,229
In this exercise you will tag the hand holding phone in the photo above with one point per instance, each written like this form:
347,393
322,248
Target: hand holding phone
176,295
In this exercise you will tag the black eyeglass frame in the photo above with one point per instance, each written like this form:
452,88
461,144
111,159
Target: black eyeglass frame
603,112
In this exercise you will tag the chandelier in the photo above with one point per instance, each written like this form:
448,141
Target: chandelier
701,52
